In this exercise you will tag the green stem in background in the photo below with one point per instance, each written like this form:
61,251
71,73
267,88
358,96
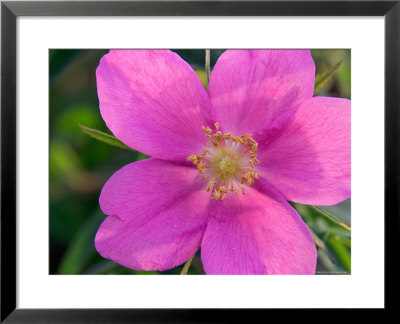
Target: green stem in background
321,245
207,65
332,218
186,266
322,79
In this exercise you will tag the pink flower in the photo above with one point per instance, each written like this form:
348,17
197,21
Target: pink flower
224,162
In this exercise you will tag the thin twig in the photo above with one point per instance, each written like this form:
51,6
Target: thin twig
186,266
332,218
207,65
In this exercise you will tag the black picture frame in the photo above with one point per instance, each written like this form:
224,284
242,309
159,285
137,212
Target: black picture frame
10,10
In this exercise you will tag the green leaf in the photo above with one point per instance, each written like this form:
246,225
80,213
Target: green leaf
322,79
81,249
104,137
102,267
341,251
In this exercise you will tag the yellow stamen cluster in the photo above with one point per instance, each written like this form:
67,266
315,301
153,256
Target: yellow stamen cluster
228,161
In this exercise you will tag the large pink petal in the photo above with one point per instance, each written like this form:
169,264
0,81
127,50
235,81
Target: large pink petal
250,88
257,234
156,215
153,102
309,160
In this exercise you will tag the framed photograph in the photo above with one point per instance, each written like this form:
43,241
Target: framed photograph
177,160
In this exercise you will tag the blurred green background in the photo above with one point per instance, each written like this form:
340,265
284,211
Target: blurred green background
80,165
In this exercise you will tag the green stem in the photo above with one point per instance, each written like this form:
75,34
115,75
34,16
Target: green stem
332,218
186,266
207,65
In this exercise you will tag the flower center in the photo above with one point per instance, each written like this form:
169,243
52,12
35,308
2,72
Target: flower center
227,163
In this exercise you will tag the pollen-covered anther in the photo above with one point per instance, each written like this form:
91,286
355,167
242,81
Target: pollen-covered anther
219,193
234,190
202,167
206,129
210,184
227,162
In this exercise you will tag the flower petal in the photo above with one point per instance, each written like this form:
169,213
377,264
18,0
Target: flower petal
153,102
157,215
250,88
257,234
309,160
